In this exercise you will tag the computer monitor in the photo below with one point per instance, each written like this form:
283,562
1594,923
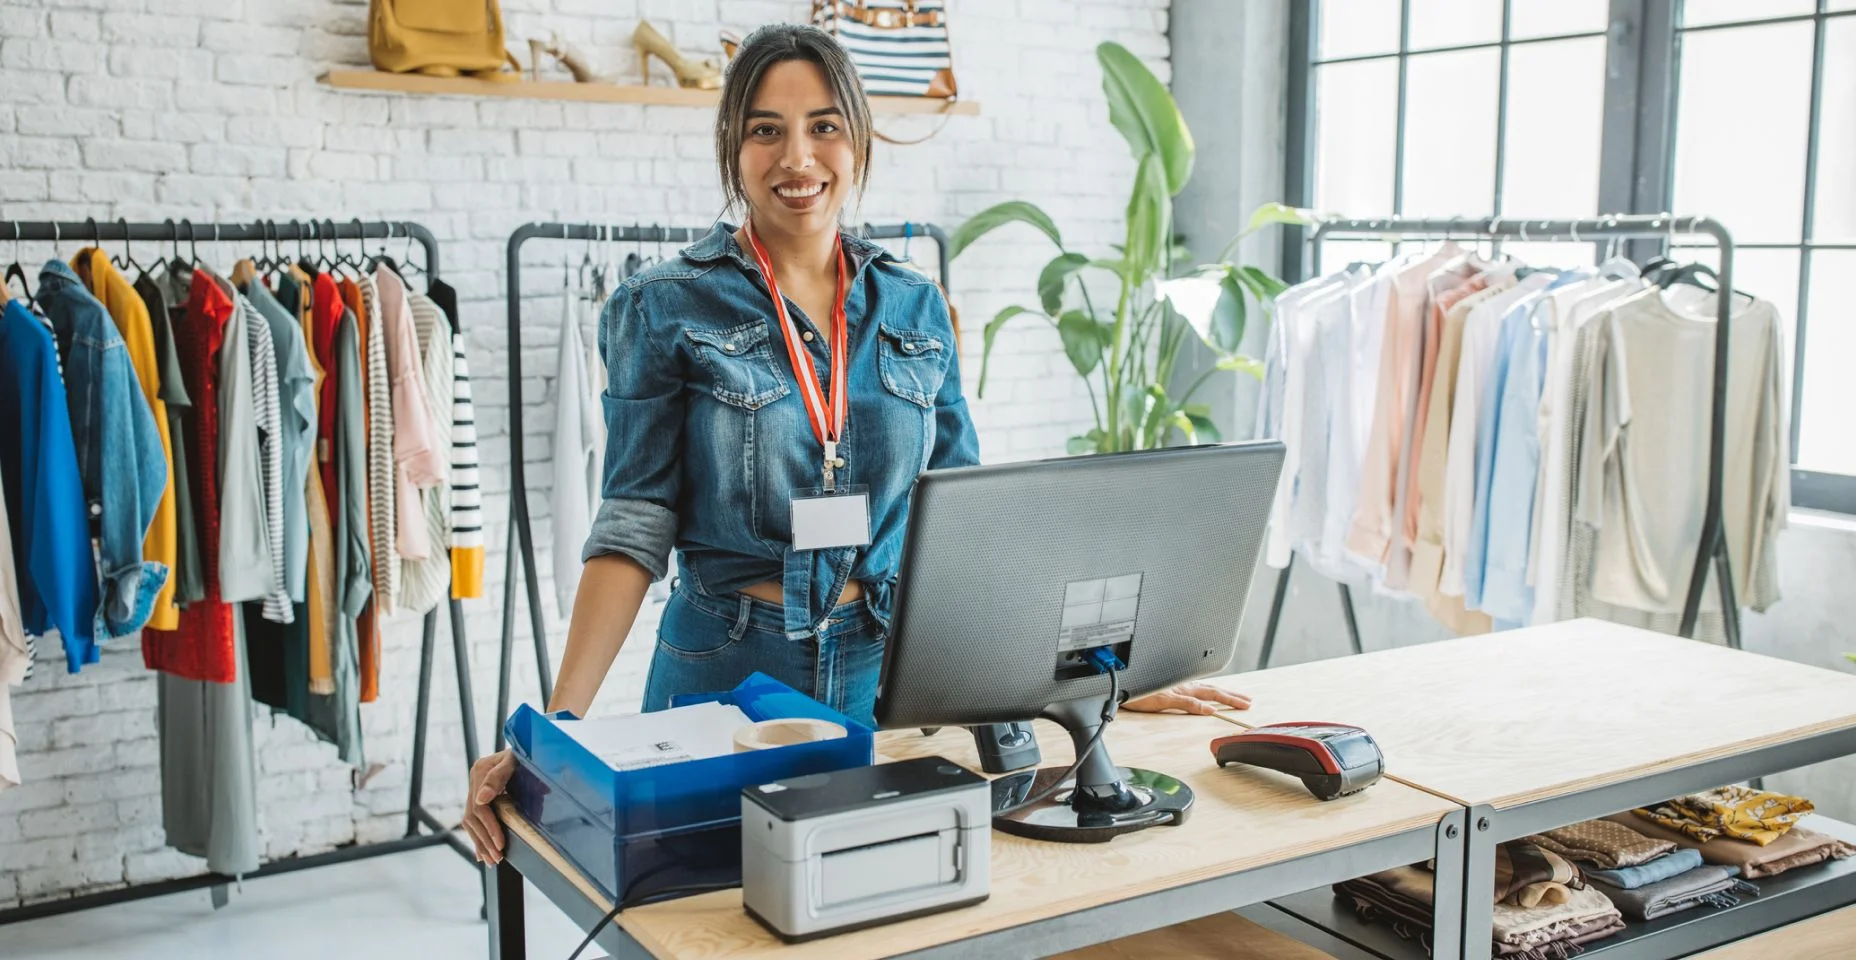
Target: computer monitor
1015,576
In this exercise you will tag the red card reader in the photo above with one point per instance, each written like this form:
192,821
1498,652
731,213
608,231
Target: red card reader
1332,759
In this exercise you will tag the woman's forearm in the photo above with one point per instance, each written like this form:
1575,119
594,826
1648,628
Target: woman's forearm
612,588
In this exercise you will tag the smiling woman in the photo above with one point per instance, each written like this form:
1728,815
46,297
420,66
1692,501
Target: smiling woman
774,450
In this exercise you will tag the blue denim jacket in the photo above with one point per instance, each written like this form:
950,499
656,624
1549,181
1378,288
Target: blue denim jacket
707,436
119,453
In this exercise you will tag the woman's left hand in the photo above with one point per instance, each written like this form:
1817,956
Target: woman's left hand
1194,698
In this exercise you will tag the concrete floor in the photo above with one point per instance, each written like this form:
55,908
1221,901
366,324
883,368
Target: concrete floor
422,903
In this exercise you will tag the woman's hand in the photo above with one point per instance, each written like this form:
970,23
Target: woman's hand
1195,698
488,776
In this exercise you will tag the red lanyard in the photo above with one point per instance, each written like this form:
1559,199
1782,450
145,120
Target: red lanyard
826,413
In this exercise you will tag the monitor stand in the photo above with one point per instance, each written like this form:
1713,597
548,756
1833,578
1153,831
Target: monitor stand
1102,802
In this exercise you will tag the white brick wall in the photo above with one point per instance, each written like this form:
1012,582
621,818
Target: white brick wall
208,109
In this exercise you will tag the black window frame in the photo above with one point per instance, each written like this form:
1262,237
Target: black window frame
1636,157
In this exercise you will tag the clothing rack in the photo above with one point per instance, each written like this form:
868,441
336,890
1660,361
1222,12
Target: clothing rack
1666,227
520,532
96,232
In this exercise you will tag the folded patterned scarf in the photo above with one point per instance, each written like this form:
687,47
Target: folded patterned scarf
1514,924
1644,874
1527,875
1799,847
1710,885
1742,813
1602,843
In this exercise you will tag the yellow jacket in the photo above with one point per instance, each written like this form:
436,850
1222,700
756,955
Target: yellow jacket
131,316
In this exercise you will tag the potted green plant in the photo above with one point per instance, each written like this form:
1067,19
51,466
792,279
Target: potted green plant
1128,356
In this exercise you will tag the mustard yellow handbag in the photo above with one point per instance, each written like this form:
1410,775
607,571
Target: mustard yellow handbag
440,38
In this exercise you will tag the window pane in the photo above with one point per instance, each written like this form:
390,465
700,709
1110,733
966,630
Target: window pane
1697,12
1836,143
1350,28
1356,112
1545,18
1450,133
1556,94
1825,440
1741,120
1448,23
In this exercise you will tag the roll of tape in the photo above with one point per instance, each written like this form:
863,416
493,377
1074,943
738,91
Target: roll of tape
785,733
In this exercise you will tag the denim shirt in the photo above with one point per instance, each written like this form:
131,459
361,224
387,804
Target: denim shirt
119,455
707,434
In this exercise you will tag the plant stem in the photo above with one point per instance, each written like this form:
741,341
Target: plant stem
1114,368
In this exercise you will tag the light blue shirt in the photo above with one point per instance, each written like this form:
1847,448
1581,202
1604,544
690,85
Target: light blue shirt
1507,465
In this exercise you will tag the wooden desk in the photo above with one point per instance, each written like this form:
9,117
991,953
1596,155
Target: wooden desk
1538,728
1251,837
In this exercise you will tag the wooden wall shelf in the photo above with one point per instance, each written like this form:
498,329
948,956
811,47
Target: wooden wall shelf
379,81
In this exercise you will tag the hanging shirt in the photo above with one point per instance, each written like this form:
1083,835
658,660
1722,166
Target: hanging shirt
156,294
418,460
203,646
15,656
382,508
423,582
135,325
576,456
335,700
296,387
119,452
265,396
466,486
1481,333
244,537
56,571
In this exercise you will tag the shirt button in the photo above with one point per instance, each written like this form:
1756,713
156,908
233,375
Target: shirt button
908,348
728,347
838,462
806,336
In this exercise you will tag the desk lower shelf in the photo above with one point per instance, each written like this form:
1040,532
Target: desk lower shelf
1787,898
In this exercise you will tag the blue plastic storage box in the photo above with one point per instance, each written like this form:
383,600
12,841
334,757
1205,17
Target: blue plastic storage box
642,832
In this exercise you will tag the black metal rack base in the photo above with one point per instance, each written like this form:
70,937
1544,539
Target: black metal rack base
418,818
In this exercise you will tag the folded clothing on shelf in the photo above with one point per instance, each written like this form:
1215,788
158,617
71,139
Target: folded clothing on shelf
1402,898
1602,843
1642,875
1799,847
1527,875
1757,816
1713,886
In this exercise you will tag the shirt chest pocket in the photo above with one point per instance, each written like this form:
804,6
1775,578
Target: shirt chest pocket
739,363
912,364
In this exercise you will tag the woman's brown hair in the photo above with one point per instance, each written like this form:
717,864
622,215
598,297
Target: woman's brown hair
778,43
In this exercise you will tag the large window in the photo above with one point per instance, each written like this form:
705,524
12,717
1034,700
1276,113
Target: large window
1744,110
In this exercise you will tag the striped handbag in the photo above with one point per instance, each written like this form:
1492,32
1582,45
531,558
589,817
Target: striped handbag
900,47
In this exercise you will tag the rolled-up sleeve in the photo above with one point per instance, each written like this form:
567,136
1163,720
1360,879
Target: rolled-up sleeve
644,408
956,444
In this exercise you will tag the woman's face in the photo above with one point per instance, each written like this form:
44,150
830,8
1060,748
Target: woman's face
797,160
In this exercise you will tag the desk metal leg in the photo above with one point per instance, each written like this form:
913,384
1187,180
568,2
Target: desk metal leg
1447,896
508,933
1478,884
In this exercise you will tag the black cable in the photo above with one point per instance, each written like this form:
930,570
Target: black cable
1108,713
657,897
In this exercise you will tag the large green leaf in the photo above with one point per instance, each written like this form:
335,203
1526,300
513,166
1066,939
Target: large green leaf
1157,412
1266,286
1279,213
1051,280
1141,108
992,330
1238,361
1211,301
994,217
1082,341
1090,442
1203,429
1149,213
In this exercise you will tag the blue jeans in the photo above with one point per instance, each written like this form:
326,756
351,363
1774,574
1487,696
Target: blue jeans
707,644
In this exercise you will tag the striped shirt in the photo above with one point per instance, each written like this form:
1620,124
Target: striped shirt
423,582
466,491
380,472
277,607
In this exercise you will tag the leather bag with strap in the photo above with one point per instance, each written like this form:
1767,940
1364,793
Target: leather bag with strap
445,38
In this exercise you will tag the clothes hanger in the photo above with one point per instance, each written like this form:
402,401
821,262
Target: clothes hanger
16,272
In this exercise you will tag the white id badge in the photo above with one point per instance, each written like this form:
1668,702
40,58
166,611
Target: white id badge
823,520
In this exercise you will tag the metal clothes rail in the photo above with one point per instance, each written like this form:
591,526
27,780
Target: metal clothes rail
418,819
1666,227
521,530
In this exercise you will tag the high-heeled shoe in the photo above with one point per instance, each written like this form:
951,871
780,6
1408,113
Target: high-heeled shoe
569,57
690,72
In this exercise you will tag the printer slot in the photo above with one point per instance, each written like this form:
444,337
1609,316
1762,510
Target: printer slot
893,866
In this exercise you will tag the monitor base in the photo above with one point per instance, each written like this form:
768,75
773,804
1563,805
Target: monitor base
1148,799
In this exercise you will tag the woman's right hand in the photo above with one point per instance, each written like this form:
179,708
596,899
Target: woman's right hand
488,776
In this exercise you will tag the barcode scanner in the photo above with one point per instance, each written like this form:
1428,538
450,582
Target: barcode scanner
1332,759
